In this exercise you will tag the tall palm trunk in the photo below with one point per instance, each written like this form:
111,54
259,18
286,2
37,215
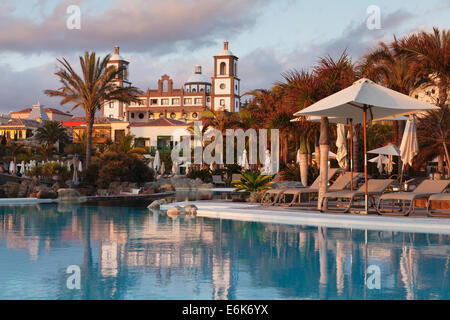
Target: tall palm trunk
324,149
356,147
89,126
303,161
317,149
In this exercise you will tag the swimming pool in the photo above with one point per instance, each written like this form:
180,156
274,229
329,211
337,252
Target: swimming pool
129,252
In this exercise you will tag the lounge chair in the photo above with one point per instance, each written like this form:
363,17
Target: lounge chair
375,188
217,180
423,191
271,196
444,197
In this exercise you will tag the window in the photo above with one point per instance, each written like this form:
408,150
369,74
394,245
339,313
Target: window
154,101
222,68
111,105
165,102
187,100
207,99
161,115
222,86
194,115
150,115
222,102
236,87
176,101
198,100
165,86
110,116
172,115
194,90
141,116
132,115
416,96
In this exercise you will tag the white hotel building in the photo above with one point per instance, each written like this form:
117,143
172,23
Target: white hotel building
167,109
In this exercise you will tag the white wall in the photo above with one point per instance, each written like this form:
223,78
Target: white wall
154,132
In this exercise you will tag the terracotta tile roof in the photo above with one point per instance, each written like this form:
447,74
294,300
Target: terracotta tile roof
97,120
21,123
161,122
48,110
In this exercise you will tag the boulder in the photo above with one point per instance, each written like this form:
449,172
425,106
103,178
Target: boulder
176,211
191,209
255,197
11,189
165,188
148,191
44,194
69,195
155,205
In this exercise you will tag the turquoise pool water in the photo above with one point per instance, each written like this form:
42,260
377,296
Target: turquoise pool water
126,252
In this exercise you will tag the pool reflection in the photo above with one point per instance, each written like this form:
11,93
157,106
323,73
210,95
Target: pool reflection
132,253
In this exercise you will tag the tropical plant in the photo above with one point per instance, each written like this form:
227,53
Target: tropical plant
202,174
91,90
48,170
127,145
253,181
51,132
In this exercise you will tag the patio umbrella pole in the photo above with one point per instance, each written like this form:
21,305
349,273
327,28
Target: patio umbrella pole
351,154
365,162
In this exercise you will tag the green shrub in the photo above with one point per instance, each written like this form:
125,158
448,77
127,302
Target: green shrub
50,169
203,174
113,166
253,181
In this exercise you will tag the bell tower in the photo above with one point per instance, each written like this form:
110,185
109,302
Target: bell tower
115,109
225,82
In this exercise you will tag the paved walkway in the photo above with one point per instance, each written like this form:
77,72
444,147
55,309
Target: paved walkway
297,216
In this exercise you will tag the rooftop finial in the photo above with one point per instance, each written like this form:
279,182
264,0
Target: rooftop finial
198,69
116,49
225,45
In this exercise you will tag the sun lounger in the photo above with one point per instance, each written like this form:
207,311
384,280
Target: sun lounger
271,196
217,180
339,184
423,191
444,197
375,188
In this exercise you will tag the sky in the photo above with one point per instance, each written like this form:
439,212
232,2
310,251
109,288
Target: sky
171,36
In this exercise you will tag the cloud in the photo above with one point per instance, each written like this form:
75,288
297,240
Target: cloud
265,66
157,26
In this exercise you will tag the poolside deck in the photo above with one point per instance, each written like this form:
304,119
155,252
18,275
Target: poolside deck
310,217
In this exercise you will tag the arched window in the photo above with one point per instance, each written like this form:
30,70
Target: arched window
222,68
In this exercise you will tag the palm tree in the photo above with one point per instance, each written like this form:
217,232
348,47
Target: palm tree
431,51
334,76
389,65
127,145
92,89
16,149
51,133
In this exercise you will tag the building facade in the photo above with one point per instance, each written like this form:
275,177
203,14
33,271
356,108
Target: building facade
220,92
51,113
162,113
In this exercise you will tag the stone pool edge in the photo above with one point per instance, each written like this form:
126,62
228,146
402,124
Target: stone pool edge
254,212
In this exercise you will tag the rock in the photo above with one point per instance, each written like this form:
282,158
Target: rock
155,205
165,188
47,194
69,195
2,194
255,197
191,209
11,189
148,191
57,185
176,211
